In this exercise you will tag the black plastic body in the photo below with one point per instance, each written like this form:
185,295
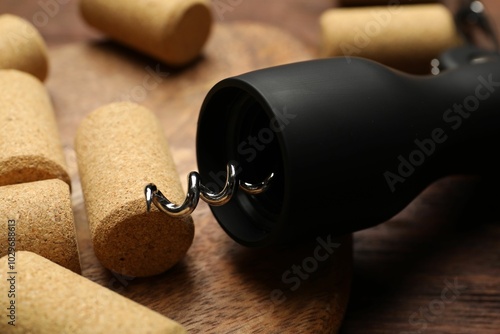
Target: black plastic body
343,140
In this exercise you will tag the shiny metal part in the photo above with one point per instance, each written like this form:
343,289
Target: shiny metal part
221,198
197,190
256,189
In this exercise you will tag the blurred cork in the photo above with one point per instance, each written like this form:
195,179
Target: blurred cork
382,2
30,147
172,31
120,149
50,299
403,37
37,217
22,47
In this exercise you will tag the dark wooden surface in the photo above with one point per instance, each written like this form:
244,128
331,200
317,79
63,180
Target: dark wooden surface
434,268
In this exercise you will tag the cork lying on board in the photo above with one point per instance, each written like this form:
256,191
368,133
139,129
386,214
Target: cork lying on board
381,2
30,147
22,47
173,31
120,149
403,37
47,298
38,217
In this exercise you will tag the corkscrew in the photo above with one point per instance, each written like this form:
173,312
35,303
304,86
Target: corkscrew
326,147
197,190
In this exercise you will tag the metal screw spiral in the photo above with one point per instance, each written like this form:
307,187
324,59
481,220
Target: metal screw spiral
197,190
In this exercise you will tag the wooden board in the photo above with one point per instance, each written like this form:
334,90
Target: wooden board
220,287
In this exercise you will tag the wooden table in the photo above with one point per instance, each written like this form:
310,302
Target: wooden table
434,268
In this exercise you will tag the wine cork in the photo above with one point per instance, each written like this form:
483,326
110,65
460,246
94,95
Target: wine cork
382,2
172,31
30,147
37,217
22,47
39,296
121,148
403,37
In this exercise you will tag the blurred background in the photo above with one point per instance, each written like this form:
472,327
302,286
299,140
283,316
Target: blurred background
298,17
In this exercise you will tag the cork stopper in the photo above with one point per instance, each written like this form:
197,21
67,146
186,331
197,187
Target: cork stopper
30,147
120,149
173,31
48,298
22,47
403,37
37,217
382,2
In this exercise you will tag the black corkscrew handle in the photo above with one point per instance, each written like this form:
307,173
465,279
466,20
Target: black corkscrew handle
349,145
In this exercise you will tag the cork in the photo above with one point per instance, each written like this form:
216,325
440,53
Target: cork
403,37
23,48
37,217
30,147
172,31
47,298
382,2
120,149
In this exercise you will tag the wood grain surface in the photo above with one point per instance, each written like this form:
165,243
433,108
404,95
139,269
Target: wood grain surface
445,241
